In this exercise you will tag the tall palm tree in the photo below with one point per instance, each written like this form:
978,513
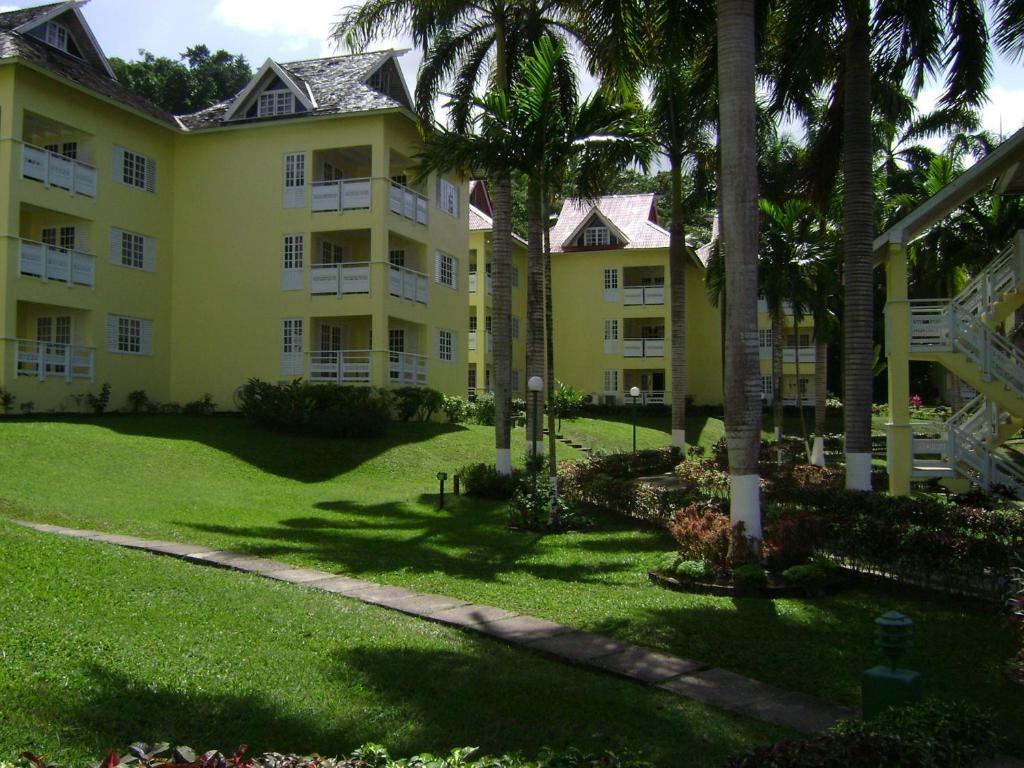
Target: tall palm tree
736,74
848,48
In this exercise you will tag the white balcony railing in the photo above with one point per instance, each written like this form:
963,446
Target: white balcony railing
471,341
647,397
48,263
47,360
806,355
473,286
58,171
408,284
643,347
409,204
338,279
345,366
406,369
633,295
341,195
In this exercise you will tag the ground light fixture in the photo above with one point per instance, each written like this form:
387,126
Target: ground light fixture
634,392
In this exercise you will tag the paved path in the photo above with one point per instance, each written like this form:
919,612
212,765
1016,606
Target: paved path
678,676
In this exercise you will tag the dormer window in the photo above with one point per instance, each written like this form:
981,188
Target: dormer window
58,36
278,102
598,235
380,80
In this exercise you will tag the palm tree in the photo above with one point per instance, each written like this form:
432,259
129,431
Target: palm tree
848,48
736,73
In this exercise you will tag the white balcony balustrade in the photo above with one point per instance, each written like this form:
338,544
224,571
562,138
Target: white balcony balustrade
407,370
58,171
637,295
409,204
47,360
345,366
643,347
49,263
339,279
473,283
408,284
807,355
341,195
647,397
471,341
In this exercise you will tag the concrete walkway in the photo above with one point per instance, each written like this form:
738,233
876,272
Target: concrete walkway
682,677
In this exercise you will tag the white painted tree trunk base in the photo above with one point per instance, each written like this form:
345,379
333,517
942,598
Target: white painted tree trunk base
745,503
503,461
778,434
818,452
538,448
679,439
858,471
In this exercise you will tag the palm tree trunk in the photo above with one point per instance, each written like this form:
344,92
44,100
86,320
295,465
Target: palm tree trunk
858,233
535,311
820,395
677,281
736,55
799,393
778,392
554,517
501,268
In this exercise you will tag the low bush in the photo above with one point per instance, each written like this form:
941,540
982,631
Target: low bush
704,476
455,408
530,508
932,734
791,536
481,410
98,403
420,403
138,401
702,532
324,410
204,406
484,481
750,575
609,482
6,401
810,575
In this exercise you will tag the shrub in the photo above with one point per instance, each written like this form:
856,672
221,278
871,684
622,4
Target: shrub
694,570
484,481
455,408
703,533
138,401
1015,607
99,402
749,575
811,575
928,735
530,508
482,410
325,410
420,403
791,538
204,406
27,407
704,476
567,402
6,401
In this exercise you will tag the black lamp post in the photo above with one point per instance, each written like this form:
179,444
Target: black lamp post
634,392
535,385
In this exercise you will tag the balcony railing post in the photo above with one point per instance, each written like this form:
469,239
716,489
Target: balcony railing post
40,360
67,362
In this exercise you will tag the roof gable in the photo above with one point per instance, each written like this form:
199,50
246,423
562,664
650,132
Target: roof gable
34,22
270,76
630,215
595,218
387,78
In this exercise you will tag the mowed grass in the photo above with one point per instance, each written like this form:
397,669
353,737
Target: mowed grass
101,646
368,508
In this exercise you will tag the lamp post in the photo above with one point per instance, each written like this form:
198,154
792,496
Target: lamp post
634,392
535,385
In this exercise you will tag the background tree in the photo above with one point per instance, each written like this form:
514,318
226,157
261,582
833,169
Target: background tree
195,81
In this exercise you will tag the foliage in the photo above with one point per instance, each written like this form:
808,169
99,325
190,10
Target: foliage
791,537
703,532
6,401
27,407
198,79
704,476
98,403
484,481
812,574
567,402
530,507
1015,607
420,403
455,408
609,482
482,410
749,575
690,569
138,401
204,406
933,734
325,410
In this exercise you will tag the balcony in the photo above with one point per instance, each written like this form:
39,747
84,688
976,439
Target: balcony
472,341
488,280
643,347
648,397
341,195
55,170
405,283
339,279
348,366
639,295
409,204
47,360
50,263
789,355
407,370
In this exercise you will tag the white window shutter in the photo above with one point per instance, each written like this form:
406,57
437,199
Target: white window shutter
146,337
455,346
150,175
437,343
112,333
116,236
437,266
455,273
118,164
149,254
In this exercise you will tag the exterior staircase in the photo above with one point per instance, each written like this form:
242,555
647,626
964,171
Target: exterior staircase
964,335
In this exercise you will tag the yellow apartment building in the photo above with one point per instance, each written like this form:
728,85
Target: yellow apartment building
275,235
480,342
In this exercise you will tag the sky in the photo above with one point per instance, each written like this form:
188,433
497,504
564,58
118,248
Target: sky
297,29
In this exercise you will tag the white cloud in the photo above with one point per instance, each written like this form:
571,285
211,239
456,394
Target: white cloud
1003,113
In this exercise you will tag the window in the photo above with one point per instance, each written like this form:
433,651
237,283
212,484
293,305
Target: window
330,173
271,103
472,379
611,330
137,170
295,180
611,381
62,330
515,327
472,261
396,340
401,178
766,386
445,273
445,345
764,338
291,347
133,250
129,335
515,276
63,237
596,236
294,251
380,80
487,323
397,258
804,384
68,149
472,323
448,197
330,337
67,238
57,35
611,279
330,253
487,379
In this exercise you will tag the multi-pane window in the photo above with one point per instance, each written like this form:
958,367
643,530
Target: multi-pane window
330,337
330,253
291,340
611,381
134,170
611,330
611,279
331,173
295,170
129,335
57,35
63,237
804,385
472,379
133,250
396,340
596,236
445,269
62,329
487,323
766,386
445,345
44,328
515,327
448,197
380,80
397,258
472,323
764,338
294,249
68,149
279,102
401,178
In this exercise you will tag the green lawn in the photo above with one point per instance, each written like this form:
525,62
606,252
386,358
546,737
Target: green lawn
368,508
106,646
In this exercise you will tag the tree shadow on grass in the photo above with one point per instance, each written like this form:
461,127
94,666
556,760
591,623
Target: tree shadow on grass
306,459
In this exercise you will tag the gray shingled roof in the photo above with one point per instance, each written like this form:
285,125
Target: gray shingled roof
336,84
630,214
38,53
